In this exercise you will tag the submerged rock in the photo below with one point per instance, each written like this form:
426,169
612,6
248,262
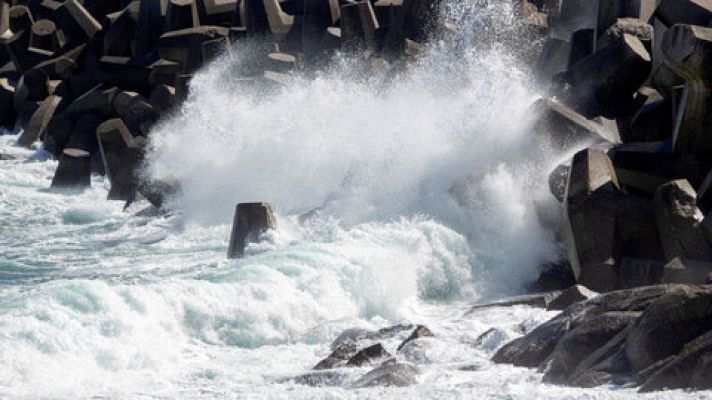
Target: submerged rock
369,355
389,374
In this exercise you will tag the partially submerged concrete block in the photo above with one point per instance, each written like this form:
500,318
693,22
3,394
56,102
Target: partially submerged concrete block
251,220
121,154
679,221
74,170
38,122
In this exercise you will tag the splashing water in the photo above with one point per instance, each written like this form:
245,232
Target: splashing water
429,185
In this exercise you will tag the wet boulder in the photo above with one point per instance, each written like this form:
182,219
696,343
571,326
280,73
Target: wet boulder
579,343
389,374
678,219
668,324
369,355
691,368
572,295
420,331
251,220
534,348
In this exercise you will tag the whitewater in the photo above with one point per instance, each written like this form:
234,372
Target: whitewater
403,198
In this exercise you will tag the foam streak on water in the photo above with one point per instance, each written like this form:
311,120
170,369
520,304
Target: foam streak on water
429,189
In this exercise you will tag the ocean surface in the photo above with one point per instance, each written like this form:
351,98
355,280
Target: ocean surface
430,195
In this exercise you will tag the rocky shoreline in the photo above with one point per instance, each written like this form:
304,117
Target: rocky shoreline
630,82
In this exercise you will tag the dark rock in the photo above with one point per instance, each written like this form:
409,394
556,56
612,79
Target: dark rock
339,356
572,295
355,335
251,220
73,171
121,154
578,343
679,221
534,348
536,300
419,332
393,374
667,324
369,355
321,379
691,368
38,122
604,365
